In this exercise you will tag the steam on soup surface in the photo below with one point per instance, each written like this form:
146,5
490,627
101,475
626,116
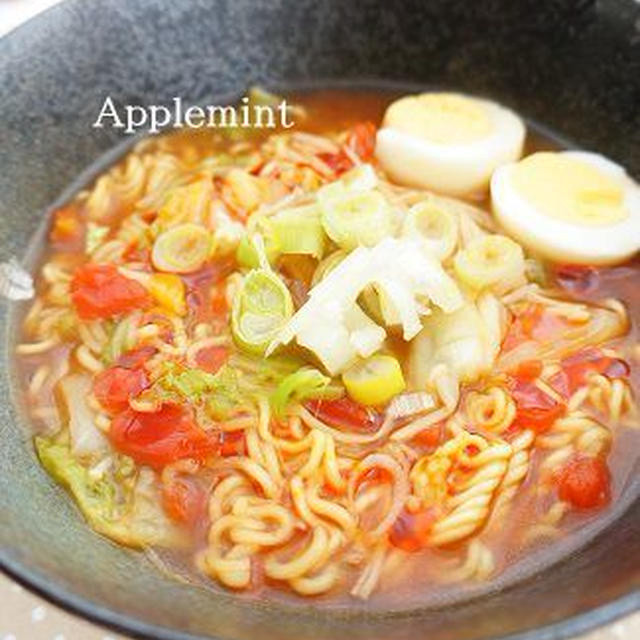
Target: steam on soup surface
314,361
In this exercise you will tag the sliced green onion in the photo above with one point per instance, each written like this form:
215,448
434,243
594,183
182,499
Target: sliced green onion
435,226
260,309
490,260
182,249
305,383
298,231
363,219
253,250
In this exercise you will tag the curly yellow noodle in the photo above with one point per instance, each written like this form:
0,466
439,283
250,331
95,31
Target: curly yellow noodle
370,576
255,472
320,582
491,410
316,454
87,360
33,348
315,553
469,506
330,510
478,564
612,398
225,491
548,525
515,474
299,498
130,180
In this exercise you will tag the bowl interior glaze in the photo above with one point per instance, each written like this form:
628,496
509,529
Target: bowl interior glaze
574,66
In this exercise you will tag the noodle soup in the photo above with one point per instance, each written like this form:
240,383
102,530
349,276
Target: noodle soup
279,361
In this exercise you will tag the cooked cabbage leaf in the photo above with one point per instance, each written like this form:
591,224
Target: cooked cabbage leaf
467,341
86,438
132,516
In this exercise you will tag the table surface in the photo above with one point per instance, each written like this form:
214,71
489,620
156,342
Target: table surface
24,616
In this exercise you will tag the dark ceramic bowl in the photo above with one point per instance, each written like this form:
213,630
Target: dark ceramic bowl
572,64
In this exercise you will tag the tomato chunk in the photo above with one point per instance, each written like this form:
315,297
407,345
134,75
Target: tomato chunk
430,437
344,412
339,162
362,139
584,482
219,301
101,291
211,358
161,437
67,229
533,323
410,532
114,386
232,443
185,500
529,369
136,357
535,409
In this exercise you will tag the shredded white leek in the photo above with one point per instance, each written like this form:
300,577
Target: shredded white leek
334,327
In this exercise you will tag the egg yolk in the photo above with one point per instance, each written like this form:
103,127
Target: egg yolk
443,118
569,189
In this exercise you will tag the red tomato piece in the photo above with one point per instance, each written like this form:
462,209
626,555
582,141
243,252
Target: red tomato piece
339,162
344,412
529,369
535,409
211,358
161,437
232,443
533,324
584,482
375,475
136,253
136,357
219,301
185,500
430,437
101,291
114,386
362,139
410,532
67,229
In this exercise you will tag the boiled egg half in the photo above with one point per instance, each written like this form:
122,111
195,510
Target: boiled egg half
569,206
447,142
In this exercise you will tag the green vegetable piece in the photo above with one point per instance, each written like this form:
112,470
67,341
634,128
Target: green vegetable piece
298,231
248,255
361,219
135,519
95,497
303,384
260,309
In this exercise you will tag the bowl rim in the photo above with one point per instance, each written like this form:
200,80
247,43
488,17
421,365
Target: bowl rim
89,610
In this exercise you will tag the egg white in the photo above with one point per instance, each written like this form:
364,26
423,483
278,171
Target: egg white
565,241
459,169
